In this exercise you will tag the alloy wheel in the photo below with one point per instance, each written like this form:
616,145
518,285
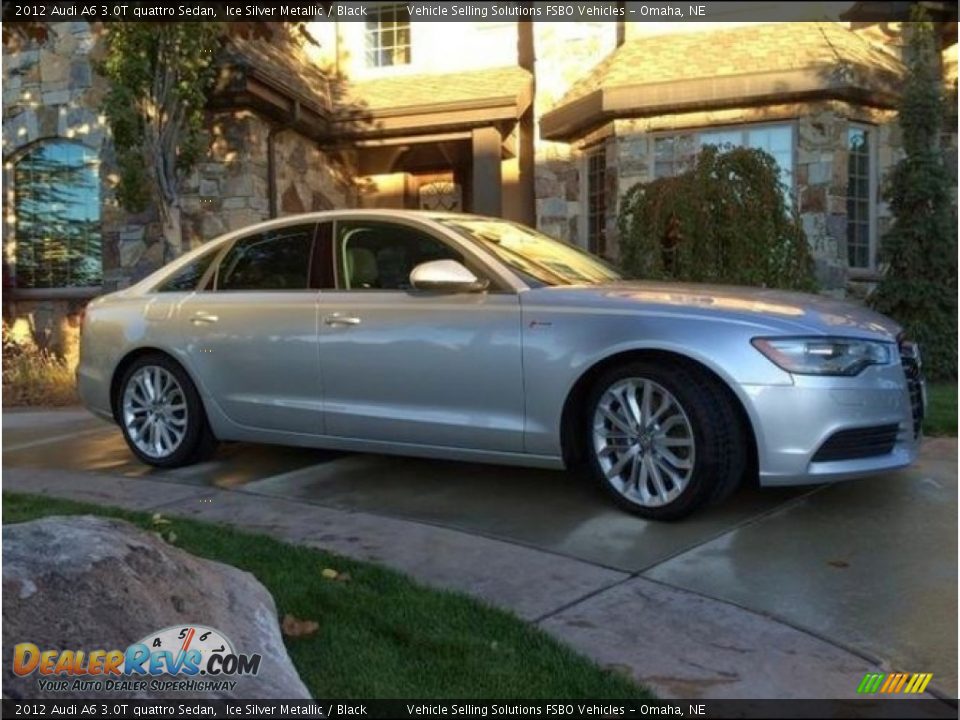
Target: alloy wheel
644,442
155,411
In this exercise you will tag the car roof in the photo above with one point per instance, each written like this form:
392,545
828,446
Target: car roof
396,212
286,220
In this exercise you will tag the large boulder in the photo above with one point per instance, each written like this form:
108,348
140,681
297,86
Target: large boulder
91,583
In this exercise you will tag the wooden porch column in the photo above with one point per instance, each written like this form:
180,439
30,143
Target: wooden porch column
486,183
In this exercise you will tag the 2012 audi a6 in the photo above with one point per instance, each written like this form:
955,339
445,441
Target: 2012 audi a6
473,338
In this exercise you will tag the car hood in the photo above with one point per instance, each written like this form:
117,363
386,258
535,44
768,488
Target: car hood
780,310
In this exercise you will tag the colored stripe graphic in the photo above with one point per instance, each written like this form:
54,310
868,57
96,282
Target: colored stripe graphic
918,682
890,682
893,683
870,683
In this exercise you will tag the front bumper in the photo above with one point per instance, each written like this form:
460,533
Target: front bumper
792,422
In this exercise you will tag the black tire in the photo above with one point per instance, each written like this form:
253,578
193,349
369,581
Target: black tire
198,442
720,457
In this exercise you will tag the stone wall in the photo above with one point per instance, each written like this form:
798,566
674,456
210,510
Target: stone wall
557,188
565,52
309,179
228,189
51,90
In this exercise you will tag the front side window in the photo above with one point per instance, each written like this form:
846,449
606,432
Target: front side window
538,259
381,256
57,217
859,245
272,260
388,36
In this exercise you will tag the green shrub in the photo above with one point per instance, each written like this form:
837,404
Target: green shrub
723,221
919,287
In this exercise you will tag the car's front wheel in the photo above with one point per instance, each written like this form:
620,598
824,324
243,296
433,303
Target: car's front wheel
663,441
161,414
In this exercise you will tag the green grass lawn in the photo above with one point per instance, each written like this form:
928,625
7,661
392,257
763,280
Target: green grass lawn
941,416
381,635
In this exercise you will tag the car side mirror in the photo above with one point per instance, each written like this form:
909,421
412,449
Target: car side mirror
445,276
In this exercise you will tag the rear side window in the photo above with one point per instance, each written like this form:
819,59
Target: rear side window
187,277
273,260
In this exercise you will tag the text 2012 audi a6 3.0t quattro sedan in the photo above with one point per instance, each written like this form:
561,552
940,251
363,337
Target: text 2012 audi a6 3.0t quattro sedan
472,338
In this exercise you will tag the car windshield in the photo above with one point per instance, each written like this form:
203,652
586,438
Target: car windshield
541,260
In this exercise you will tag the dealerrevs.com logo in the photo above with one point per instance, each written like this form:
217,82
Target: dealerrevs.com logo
188,658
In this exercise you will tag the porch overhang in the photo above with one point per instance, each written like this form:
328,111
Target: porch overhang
427,144
413,105
265,99
433,118
416,123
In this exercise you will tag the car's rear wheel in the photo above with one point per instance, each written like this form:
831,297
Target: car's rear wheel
161,414
662,442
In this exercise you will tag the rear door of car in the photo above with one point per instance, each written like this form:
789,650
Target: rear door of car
251,331
407,366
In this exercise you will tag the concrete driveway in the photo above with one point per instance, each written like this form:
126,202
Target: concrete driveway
869,566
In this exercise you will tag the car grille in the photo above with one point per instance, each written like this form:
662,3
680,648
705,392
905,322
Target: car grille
858,443
910,359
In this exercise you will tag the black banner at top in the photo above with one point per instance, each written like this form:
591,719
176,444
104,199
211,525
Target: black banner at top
447,11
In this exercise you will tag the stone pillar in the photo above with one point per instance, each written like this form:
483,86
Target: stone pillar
486,183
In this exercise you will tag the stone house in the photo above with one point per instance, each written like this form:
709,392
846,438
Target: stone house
545,123
270,108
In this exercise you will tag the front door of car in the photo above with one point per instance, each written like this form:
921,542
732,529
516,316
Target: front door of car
251,333
407,366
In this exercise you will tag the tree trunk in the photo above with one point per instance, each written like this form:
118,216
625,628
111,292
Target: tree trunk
172,232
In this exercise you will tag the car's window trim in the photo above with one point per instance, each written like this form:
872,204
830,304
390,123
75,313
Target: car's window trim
474,262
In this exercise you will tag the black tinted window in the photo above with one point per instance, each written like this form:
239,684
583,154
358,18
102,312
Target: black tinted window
380,256
273,260
187,277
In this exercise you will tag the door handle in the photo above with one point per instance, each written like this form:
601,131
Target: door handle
339,319
203,318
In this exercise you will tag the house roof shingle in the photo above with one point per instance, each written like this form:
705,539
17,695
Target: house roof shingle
751,48
503,84
828,52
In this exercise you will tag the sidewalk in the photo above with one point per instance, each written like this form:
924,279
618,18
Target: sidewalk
681,644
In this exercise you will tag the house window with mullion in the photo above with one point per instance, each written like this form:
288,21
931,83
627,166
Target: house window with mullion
56,213
388,36
860,241
597,201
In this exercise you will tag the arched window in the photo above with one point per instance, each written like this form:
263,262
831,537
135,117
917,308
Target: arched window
57,216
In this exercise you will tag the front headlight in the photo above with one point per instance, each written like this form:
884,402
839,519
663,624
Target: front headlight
824,355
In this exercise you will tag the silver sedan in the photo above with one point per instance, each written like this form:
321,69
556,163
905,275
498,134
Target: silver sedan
472,338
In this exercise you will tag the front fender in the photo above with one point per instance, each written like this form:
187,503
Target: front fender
560,348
